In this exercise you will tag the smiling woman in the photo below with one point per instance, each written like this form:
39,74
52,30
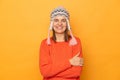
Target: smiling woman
61,54
59,24
59,28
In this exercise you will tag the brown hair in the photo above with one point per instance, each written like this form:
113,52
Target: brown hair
66,35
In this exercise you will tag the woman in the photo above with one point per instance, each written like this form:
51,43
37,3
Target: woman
61,54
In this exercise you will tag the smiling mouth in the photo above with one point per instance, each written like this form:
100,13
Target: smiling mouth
59,27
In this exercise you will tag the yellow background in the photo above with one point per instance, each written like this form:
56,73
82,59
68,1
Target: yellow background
24,23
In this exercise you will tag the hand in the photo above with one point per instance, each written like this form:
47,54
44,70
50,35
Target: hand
76,60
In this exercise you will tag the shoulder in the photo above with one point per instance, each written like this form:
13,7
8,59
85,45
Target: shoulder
78,39
44,41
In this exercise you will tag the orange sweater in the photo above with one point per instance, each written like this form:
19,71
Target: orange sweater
54,60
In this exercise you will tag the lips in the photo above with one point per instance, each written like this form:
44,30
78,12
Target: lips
59,27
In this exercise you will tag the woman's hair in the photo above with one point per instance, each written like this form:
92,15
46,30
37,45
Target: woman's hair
66,35
61,11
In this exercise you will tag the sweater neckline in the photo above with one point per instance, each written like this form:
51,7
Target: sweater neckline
61,42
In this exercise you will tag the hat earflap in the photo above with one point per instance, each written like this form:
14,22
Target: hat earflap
73,40
50,28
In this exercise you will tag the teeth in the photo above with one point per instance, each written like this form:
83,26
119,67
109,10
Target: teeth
59,27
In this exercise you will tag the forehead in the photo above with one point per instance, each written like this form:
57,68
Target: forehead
59,17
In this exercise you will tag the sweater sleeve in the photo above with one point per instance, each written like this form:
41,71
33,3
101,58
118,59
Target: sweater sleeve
74,71
48,69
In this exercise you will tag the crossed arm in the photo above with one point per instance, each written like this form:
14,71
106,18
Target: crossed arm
63,69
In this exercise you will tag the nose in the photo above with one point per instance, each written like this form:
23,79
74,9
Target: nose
59,23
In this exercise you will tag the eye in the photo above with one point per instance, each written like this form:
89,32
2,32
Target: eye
63,20
55,20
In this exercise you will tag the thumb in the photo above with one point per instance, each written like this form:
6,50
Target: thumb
77,54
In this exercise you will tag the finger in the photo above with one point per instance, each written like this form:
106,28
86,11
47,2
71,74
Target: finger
80,63
82,60
77,54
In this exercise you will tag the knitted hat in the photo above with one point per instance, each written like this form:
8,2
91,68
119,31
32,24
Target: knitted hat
61,11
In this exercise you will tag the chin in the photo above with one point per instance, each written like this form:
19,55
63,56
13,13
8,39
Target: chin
60,32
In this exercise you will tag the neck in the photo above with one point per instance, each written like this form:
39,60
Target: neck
59,37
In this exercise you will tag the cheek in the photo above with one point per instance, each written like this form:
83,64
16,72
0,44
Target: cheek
54,24
65,24
65,28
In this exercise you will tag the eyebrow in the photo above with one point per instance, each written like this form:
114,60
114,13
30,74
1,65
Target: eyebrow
58,19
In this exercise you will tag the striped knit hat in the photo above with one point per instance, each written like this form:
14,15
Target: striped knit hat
61,11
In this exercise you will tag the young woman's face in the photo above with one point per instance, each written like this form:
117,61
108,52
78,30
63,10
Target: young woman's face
59,24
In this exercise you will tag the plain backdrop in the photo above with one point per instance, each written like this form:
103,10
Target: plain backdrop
24,24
